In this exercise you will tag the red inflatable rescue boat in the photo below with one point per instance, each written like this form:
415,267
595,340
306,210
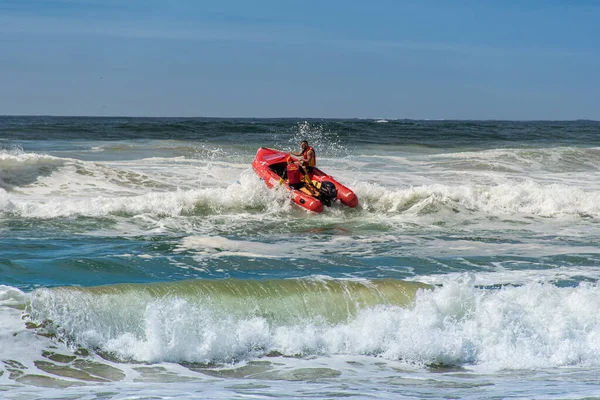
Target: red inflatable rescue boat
320,189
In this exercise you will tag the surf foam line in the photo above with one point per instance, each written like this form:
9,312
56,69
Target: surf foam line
526,198
554,158
240,196
533,326
248,195
53,187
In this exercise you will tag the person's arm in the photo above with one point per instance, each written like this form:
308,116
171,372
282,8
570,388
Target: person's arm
297,154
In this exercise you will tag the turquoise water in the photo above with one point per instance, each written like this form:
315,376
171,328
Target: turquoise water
143,257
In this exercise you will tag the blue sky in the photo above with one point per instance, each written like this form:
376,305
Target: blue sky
422,59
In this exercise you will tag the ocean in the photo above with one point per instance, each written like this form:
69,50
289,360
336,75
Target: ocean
142,258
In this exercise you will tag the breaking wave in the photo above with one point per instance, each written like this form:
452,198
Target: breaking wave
41,186
250,195
527,198
531,326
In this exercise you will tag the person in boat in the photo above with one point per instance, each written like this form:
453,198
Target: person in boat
294,177
309,158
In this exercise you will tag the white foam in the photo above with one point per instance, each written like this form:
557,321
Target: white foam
524,198
572,166
4,200
217,246
499,275
10,296
536,326
529,156
174,186
533,326
18,343
236,197
20,169
19,156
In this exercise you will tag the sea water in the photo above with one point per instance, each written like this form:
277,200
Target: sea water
143,258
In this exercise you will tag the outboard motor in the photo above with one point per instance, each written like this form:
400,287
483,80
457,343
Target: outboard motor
327,193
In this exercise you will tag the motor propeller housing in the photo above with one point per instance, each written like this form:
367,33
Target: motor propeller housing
327,193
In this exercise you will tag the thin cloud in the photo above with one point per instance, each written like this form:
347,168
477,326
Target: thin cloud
123,29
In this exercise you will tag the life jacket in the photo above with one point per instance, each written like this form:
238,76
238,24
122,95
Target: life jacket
305,157
293,174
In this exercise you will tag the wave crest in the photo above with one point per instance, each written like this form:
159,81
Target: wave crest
532,326
527,198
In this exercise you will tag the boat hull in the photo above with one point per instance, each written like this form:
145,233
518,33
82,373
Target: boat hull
268,163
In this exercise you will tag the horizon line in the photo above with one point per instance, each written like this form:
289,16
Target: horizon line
299,118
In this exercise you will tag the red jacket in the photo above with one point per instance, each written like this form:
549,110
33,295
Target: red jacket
293,173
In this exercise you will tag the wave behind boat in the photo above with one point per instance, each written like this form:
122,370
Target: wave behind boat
100,189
